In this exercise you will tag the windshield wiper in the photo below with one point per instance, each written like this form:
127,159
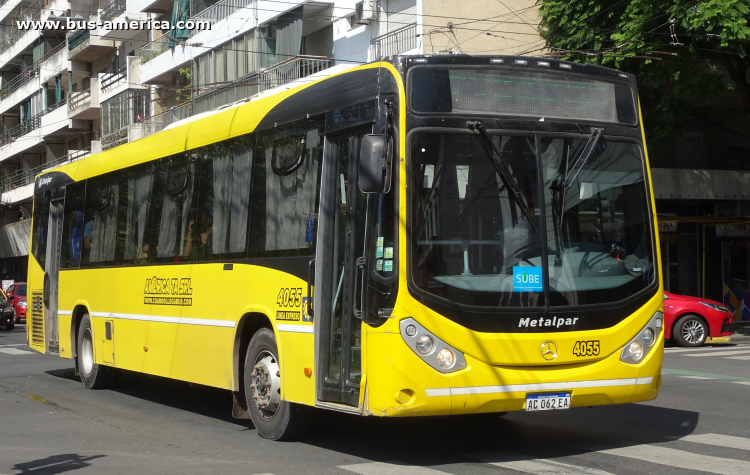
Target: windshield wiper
571,173
501,168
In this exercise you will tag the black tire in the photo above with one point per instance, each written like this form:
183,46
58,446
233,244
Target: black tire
690,331
10,326
93,376
284,420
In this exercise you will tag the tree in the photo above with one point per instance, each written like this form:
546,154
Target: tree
680,51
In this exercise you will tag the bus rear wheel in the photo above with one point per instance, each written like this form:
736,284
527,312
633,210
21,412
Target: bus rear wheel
93,376
273,417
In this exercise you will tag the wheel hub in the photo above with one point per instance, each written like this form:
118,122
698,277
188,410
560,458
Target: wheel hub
266,385
87,352
693,332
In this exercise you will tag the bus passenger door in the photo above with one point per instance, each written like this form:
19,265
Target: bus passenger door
52,269
342,222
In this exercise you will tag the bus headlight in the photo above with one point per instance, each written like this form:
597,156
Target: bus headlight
433,351
641,345
424,344
446,358
635,349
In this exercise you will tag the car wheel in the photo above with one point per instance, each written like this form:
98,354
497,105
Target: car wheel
93,376
690,330
273,417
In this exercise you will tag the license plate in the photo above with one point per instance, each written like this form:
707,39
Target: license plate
547,402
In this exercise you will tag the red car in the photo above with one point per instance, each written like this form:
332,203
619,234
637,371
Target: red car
690,320
16,294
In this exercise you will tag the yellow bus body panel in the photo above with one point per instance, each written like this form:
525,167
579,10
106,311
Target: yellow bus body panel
199,342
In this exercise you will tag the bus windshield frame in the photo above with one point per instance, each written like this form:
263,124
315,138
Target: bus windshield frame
590,257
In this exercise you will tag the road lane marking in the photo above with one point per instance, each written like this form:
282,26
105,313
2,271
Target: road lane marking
719,440
680,459
524,463
14,344
382,468
696,377
15,351
742,382
719,353
704,349
743,358
696,373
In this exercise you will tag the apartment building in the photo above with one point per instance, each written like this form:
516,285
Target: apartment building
67,94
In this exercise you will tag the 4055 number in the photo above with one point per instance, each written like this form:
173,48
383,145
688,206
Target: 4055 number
586,348
289,297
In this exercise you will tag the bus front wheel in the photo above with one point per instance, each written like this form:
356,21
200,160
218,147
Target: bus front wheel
272,417
93,375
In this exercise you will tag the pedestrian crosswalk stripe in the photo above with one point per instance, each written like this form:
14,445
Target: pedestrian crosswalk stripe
743,358
719,353
696,377
681,459
14,344
382,468
747,383
719,440
523,463
15,351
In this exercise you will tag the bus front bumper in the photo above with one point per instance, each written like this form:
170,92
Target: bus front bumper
401,384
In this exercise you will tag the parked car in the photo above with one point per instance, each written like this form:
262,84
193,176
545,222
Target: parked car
16,294
7,316
689,321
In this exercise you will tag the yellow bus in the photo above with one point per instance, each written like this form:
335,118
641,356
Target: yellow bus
413,237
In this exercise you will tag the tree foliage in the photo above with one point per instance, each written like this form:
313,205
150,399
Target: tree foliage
681,52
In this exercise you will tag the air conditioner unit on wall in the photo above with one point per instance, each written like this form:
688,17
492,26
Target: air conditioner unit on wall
365,12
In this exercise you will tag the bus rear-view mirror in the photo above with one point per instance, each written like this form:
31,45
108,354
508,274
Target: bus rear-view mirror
375,164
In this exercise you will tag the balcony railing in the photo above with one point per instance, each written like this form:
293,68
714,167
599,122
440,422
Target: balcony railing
153,49
282,73
396,42
161,120
219,10
29,73
76,99
77,37
27,125
19,178
113,78
12,36
113,10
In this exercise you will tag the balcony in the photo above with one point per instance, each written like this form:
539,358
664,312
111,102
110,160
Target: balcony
127,77
19,178
119,22
396,42
84,105
27,82
27,126
160,121
219,11
153,49
283,73
87,46
10,39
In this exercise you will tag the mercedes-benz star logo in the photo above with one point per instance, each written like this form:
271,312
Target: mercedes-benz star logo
549,350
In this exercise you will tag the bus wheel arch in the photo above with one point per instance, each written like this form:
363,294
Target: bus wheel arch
75,322
248,325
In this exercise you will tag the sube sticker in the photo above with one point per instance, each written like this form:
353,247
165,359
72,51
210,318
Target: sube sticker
527,279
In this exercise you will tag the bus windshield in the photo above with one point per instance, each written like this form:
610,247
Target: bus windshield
472,245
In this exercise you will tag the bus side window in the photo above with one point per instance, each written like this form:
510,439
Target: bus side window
136,203
100,219
286,194
174,207
223,199
72,237
39,232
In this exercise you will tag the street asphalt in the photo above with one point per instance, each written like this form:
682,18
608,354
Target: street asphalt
50,424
